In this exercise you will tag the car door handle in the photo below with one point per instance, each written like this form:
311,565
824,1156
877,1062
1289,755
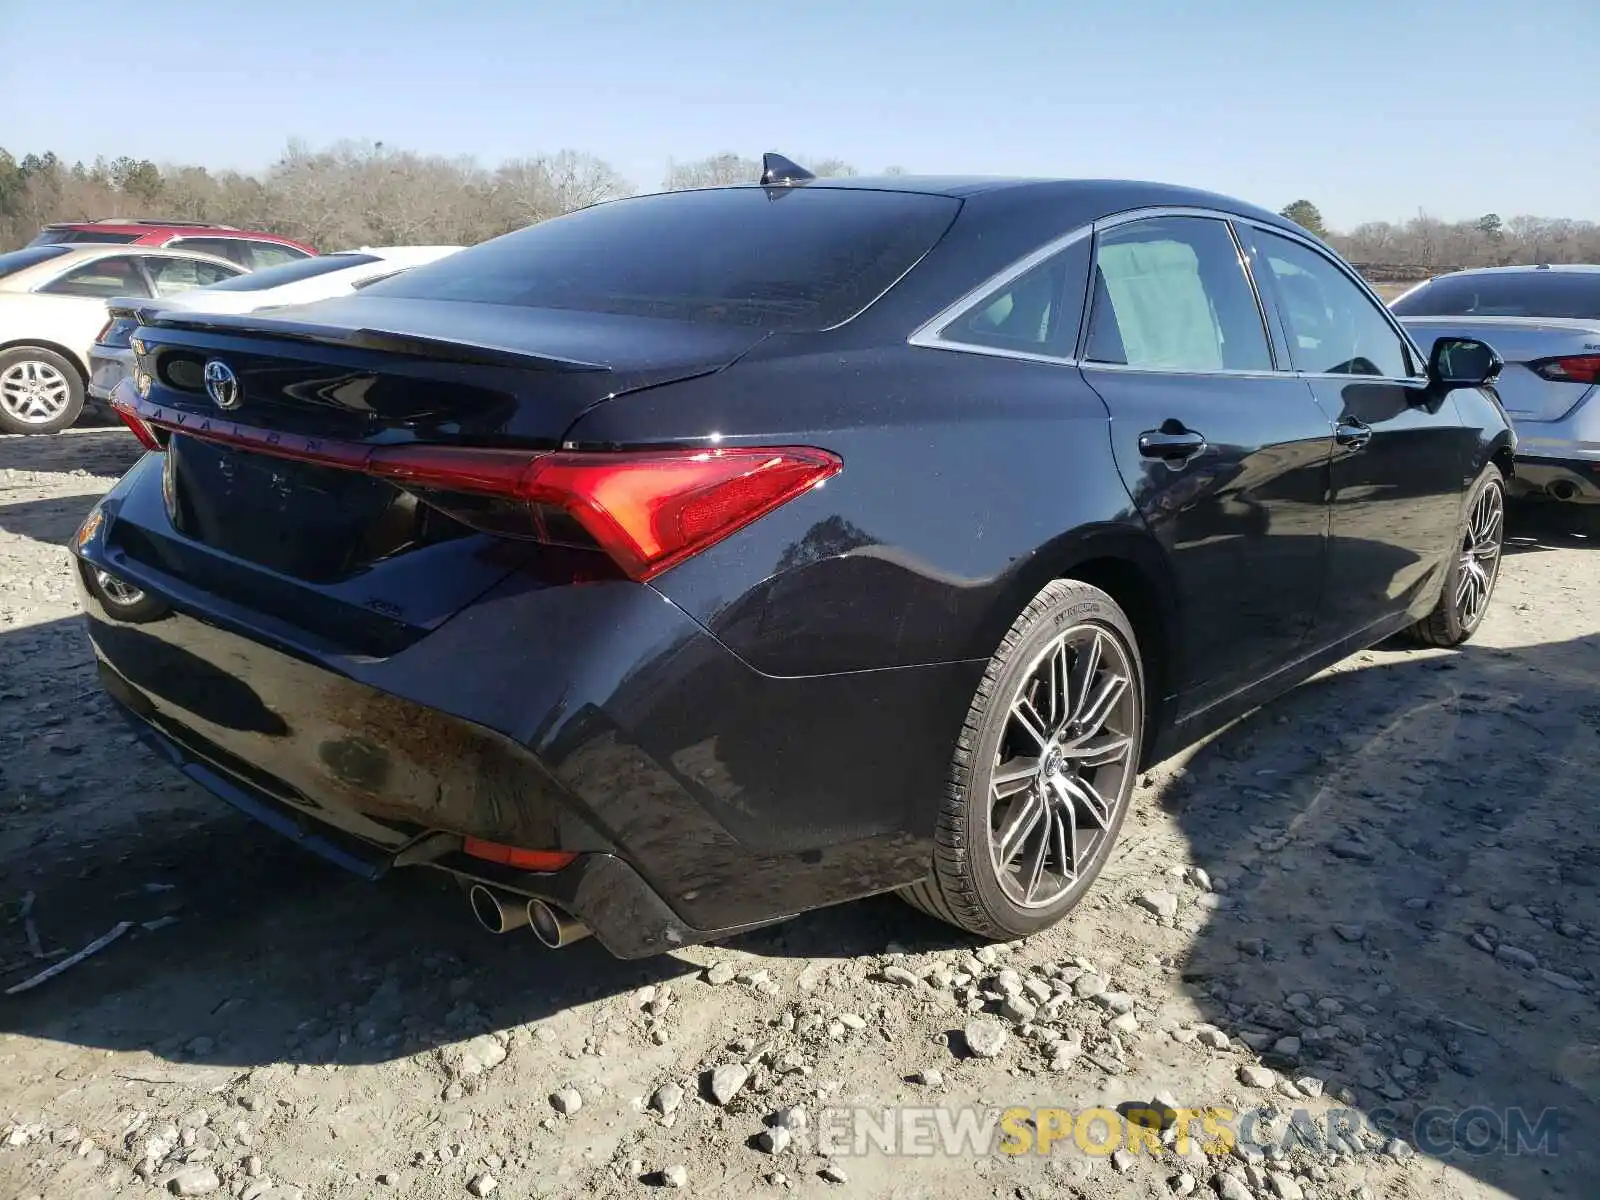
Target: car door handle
1353,434
1171,443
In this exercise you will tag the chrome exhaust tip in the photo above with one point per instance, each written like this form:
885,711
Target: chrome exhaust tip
553,927
1563,489
498,912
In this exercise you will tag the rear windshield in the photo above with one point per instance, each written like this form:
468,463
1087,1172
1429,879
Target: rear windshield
1507,294
61,237
28,256
788,260
301,268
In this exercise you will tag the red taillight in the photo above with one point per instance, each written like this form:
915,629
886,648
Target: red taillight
514,856
146,435
647,509
653,509
104,329
1576,368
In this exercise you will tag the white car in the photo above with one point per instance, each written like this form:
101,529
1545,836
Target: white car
52,302
299,282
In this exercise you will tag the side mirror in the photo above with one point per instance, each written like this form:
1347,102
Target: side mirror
1460,362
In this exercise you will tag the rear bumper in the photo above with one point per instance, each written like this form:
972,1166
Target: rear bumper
1567,480
623,912
598,719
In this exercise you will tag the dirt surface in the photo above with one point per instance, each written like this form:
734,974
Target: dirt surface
1395,904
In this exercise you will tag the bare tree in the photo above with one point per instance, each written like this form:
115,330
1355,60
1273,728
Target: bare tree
366,193
717,171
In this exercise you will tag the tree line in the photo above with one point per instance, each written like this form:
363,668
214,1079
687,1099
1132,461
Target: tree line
366,193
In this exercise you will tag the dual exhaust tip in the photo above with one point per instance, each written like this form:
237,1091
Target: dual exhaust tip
502,912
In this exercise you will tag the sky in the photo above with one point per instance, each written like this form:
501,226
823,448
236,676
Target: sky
1372,109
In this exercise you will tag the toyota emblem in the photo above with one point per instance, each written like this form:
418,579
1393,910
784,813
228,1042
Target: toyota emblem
222,385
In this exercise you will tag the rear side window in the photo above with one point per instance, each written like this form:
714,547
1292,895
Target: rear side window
303,268
1171,294
798,259
271,254
233,249
1506,294
28,256
1036,313
115,275
173,275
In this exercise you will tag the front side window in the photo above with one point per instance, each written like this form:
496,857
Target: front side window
117,275
1035,313
232,249
1171,294
270,254
1334,327
173,275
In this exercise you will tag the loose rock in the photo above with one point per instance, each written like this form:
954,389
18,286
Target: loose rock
566,1101
1255,1076
727,1081
985,1037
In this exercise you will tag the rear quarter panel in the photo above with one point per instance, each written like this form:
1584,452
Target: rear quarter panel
968,482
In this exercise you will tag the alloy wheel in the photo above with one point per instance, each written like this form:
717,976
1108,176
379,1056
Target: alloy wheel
34,392
1062,767
1480,556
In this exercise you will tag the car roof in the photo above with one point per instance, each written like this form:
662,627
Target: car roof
1079,199
1524,268
145,229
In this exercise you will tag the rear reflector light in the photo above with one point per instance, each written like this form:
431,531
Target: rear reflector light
145,434
648,510
1576,368
513,856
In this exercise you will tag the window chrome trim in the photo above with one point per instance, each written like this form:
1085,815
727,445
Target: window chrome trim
1089,364
930,334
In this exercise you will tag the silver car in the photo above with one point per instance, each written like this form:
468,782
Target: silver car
1545,322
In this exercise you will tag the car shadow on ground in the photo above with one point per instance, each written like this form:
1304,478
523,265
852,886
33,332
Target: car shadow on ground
93,449
1411,805
1410,909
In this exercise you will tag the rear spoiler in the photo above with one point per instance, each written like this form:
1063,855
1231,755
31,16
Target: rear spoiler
410,345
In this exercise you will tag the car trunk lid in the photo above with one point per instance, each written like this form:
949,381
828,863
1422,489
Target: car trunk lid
270,501
1523,342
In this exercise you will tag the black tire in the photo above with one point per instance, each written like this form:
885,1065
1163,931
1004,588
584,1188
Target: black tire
966,887
1453,620
55,367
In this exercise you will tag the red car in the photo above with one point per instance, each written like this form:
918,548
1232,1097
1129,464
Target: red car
249,249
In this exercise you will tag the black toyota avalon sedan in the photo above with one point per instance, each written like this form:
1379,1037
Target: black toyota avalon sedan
697,559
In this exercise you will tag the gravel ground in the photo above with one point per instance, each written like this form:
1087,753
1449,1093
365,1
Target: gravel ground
1377,897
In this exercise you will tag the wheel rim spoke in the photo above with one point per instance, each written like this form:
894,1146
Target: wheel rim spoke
1088,663
1093,715
1086,799
1023,819
1014,776
1023,713
1100,751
